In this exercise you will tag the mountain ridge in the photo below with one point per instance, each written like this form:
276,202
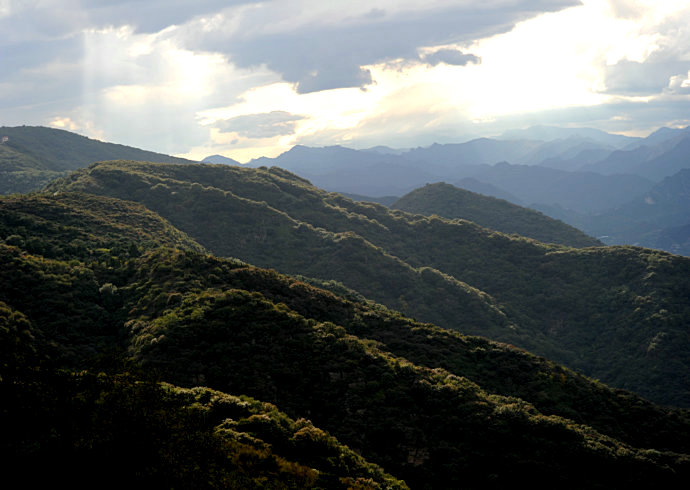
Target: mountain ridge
31,156
452,202
549,299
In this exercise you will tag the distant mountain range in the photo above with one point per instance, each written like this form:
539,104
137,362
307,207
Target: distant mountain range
578,175
571,174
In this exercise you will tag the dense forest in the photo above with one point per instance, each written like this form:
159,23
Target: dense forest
128,316
618,314
453,202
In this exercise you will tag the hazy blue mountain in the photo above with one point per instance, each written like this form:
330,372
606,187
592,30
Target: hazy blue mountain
577,162
665,134
656,219
453,157
385,150
623,161
675,239
563,149
378,179
585,192
308,161
655,159
670,162
384,171
340,169
548,133
220,159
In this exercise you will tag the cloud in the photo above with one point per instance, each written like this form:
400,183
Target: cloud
679,84
332,51
450,57
265,125
656,50
648,78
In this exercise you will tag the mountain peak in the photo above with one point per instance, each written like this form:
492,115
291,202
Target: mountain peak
220,159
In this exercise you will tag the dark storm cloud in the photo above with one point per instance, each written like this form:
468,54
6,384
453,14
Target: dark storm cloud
322,54
330,54
264,125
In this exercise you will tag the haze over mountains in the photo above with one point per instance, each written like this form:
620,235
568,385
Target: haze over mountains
587,178
571,174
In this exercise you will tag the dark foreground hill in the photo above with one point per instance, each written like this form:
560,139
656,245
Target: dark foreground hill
452,202
32,156
84,354
619,314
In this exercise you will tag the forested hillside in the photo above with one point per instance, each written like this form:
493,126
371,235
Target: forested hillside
431,407
452,202
618,313
31,156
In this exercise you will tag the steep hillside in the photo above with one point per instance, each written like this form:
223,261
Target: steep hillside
451,202
618,314
31,156
432,407
256,215
67,225
80,428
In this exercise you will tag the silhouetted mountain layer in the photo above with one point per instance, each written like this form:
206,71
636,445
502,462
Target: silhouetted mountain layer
656,158
583,192
655,219
550,133
373,174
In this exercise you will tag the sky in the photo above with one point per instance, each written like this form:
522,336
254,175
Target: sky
246,78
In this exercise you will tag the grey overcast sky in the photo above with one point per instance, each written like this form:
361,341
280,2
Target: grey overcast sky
249,78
